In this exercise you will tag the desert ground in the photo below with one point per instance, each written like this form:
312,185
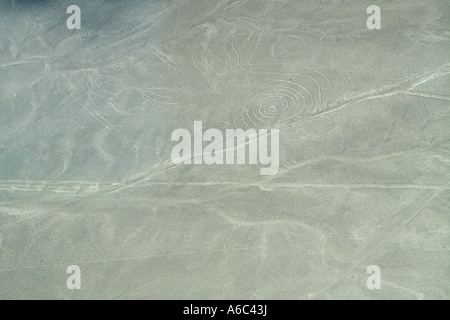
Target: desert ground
87,179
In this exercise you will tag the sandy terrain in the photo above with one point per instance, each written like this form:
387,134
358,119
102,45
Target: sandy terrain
86,176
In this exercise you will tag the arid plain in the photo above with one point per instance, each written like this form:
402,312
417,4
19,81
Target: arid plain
86,176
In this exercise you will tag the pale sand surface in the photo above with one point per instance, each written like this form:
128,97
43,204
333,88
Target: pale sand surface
86,176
